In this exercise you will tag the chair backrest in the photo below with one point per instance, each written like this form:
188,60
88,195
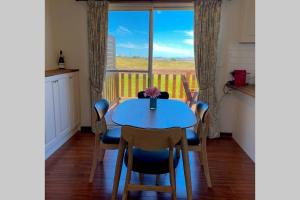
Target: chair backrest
201,110
186,88
163,95
141,95
101,108
151,139
202,119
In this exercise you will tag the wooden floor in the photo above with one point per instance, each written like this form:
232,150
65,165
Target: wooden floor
67,173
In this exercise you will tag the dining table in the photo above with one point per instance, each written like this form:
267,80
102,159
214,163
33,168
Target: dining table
169,113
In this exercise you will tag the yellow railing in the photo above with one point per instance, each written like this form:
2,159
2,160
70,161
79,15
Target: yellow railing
127,83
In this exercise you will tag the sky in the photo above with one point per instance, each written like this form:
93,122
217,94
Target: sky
172,33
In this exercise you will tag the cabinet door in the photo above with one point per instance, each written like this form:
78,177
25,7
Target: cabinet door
56,101
50,131
64,105
72,82
77,98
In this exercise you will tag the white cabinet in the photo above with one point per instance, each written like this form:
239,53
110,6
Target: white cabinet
244,123
49,113
74,99
61,110
247,23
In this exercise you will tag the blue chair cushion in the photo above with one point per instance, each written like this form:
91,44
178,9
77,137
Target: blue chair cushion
191,137
112,136
151,162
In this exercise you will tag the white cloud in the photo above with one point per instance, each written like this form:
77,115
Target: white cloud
189,33
123,30
130,45
172,51
188,41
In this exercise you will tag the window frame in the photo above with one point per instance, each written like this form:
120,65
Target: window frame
150,7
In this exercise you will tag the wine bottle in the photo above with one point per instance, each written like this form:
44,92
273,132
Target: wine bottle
61,60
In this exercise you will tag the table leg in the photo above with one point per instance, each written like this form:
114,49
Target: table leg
186,165
118,169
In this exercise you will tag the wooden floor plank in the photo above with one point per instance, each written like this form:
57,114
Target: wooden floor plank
67,173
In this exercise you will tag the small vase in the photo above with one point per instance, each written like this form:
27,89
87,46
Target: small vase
153,103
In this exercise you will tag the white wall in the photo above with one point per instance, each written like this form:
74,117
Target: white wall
236,111
66,29
50,51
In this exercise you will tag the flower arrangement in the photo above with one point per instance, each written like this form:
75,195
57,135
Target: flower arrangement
152,92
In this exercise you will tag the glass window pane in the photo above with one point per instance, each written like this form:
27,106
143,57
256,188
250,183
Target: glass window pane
127,54
173,51
130,31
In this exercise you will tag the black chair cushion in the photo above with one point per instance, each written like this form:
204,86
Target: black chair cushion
163,95
191,137
112,136
151,162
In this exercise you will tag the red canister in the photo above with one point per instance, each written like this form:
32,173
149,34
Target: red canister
239,77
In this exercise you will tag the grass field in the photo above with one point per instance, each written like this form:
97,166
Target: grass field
142,63
136,63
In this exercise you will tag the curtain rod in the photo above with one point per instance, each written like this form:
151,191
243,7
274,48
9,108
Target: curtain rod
157,1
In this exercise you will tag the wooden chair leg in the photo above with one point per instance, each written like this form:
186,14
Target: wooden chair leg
186,167
101,155
175,176
128,174
141,177
206,169
173,184
127,182
157,179
94,163
118,169
201,158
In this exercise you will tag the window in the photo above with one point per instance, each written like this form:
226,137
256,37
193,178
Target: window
173,50
149,46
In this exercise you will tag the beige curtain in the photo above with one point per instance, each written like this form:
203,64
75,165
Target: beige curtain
206,29
97,40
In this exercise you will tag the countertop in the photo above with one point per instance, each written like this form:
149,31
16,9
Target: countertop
54,72
248,89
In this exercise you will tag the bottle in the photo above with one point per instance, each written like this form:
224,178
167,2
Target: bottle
61,60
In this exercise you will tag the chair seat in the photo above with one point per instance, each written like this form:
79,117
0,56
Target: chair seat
191,137
151,162
112,136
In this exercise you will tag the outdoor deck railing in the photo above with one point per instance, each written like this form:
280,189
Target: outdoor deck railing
127,83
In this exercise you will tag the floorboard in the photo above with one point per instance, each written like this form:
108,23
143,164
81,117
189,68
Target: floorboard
67,173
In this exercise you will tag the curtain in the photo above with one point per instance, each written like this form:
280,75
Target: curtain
97,39
206,30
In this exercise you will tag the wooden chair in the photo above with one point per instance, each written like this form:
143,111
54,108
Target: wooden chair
163,95
191,94
150,151
196,138
104,138
108,116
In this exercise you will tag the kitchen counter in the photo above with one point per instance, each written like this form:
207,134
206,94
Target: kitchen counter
248,89
54,72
